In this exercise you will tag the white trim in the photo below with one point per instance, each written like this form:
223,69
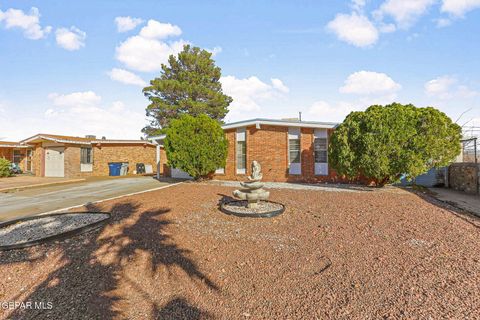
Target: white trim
57,140
155,138
240,136
86,142
157,156
283,123
16,146
320,168
294,168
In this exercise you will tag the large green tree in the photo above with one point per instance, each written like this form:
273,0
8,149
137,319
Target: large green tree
385,142
189,84
196,145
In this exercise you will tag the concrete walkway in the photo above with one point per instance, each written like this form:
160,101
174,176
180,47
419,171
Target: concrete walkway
27,181
43,199
462,200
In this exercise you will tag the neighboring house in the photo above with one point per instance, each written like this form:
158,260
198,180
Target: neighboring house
67,156
288,150
17,153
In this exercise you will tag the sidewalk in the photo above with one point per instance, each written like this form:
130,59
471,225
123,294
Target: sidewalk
26,181
465,201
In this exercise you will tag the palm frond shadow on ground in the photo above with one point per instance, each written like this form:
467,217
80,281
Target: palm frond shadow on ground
93,267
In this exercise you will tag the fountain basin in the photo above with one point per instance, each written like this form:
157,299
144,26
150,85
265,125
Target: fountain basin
264,209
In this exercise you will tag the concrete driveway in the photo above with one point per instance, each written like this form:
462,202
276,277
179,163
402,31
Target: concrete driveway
49,198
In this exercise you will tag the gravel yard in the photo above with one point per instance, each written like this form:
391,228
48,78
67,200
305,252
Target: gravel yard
171,254
47,226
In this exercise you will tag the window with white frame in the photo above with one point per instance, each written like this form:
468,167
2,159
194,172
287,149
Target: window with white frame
86,155
294,150
241,151
320,150
294,156
320,146
17,156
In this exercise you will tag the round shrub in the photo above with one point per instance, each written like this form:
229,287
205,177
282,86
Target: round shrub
196,145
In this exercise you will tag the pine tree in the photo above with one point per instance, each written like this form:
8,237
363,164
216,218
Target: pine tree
189,84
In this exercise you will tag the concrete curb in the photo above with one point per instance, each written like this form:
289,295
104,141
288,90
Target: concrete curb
41,185
108,199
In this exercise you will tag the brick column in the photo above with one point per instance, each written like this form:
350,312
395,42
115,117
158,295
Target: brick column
307,154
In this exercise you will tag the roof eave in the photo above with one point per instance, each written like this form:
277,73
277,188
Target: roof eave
302,124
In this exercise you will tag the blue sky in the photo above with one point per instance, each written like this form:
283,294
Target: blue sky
78,67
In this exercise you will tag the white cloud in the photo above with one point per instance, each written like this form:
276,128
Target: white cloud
216,50
324,111
369,83
278,84
358,4
447,87
126,77
158,30
83,98
146,55
77,114
30,23
443,22
148,51
125,24
70,39
458,8
248,93
355,29
404,12
387,27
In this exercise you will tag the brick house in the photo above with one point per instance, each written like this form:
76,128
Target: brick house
17,153
67,156
288,150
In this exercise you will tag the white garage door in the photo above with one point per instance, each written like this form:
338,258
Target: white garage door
54,162
180,174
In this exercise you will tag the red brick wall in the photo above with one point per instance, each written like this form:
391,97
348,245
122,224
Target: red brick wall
102,155
164,169
269,146
38,160
7,153
132,154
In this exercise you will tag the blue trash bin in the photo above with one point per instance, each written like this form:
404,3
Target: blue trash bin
114,168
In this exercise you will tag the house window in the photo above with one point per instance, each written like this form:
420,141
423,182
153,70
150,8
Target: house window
294,150
320,146
86,156
241,151
320,150
17,156
294,157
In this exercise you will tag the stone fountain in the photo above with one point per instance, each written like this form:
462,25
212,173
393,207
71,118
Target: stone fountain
253,191
253,199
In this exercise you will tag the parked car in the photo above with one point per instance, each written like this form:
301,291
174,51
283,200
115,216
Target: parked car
15,169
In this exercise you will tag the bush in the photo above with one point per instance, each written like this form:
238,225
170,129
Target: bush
196,145
385,142
5,168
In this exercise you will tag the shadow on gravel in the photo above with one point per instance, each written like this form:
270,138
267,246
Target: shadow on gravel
224,199
179,308
93,281
466,216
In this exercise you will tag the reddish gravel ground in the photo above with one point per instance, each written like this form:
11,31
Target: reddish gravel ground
170,254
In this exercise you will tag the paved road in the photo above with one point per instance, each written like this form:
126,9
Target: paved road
43,199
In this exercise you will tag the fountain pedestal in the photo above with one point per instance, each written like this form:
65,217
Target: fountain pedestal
253,193
253,201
